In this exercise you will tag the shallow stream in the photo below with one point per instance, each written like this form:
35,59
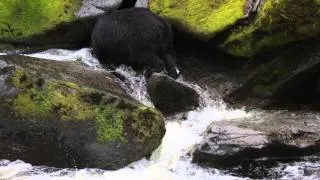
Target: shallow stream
171,159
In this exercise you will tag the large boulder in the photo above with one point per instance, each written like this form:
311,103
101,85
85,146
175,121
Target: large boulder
171,96
202,18
293,76
277,23
65,115
252,146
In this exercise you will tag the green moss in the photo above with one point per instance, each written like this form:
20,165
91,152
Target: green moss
41,98
146,123
48,99
201,17
113,117
279,22
19,79
109,124
56,97
21,19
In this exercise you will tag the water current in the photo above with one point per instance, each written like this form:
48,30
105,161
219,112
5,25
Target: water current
171,160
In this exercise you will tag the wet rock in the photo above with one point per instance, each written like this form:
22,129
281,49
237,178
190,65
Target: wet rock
289,78
171,96
250,146
214,72
142,3
95,7
66,115
312,171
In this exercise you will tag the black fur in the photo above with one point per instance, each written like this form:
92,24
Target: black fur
135,37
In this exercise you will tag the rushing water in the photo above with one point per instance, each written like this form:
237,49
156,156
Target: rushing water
170,160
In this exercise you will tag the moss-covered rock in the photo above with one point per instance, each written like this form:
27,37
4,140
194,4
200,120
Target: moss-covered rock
73,115
20,19
41,25
278,23
203,18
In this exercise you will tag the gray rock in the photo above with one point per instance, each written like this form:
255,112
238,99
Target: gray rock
94,7
142,3
3,64
6,90
171,96
264,140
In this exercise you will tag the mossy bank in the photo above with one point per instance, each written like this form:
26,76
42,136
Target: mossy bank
73,121
35,25
20,19
278,23
202,18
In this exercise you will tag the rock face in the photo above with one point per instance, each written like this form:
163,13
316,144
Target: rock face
65,115
290,77
255,144
277,23
170,96
202,18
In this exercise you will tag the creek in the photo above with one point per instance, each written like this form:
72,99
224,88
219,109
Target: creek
171,160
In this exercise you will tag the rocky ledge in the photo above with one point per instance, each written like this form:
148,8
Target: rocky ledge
251,146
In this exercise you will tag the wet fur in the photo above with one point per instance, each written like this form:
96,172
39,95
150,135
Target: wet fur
135,37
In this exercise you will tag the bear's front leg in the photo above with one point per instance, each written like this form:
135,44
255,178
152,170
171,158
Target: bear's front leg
153,64
171,66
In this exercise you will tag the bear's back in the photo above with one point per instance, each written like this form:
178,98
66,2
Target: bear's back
125,34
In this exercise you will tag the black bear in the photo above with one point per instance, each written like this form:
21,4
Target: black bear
135,37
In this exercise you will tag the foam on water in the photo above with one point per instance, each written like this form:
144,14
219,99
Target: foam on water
169,161
135,84
84,55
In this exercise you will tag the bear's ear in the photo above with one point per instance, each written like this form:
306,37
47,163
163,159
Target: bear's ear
127,4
